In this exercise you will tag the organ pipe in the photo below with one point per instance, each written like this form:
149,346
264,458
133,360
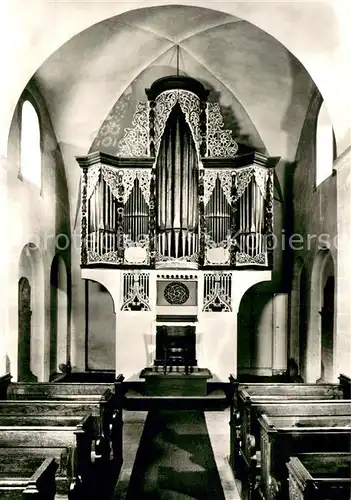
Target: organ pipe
177,173
251,219
217,215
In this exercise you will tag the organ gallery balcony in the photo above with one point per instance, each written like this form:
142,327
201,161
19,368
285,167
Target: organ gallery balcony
178,194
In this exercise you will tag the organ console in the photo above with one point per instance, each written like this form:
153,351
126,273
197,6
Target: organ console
177,194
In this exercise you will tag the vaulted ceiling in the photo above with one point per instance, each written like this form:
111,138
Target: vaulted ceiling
103,71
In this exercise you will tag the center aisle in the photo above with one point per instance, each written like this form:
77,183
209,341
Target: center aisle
175,459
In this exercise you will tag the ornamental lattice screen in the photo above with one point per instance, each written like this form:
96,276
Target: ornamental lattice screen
177,194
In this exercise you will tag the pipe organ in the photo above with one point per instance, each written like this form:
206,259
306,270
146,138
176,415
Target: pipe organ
177,194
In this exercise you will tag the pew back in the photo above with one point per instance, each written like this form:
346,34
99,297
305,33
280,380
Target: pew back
282,437
292,390
322,476
250,428
64,390
34,480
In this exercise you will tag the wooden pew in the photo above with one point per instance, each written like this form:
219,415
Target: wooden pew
34,479
60,399
61,390
4,383
249,443
320,476
243,394
284,437
64,457
95,394
74,434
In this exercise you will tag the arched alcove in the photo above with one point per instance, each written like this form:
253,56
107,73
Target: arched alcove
100,327
24,331
319,352
303,320
327,319
31,322
294,310
255,331
58,314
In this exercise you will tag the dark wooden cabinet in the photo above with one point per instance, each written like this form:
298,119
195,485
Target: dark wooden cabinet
179,337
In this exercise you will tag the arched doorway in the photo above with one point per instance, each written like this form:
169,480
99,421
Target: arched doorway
32,346
303,321
255,332
24,331
320,340
327,326
58,314
100,328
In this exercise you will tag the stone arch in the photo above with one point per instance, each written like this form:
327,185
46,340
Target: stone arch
322,269
31,270
58,314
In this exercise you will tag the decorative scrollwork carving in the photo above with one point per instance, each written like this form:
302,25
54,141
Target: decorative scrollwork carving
212,244
84,222
136,252
176,293
190,106
210,177
244,259
217,293
202,219
269,213
112,178
261,175
92,179
135,142
244,176
220,143
128,179
242,180
107,258
136,292
225,178
152,218
143,241
163,106
186,258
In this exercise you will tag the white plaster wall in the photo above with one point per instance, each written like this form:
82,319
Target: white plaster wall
33,216
216,340
342,324
217,343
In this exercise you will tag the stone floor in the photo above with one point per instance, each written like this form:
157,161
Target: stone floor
218,428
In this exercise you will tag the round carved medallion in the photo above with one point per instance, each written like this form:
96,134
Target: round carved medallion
176,293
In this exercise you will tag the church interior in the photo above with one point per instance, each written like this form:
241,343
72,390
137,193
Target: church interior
175,282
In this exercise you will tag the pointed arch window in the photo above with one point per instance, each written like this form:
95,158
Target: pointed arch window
324,145
30,144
